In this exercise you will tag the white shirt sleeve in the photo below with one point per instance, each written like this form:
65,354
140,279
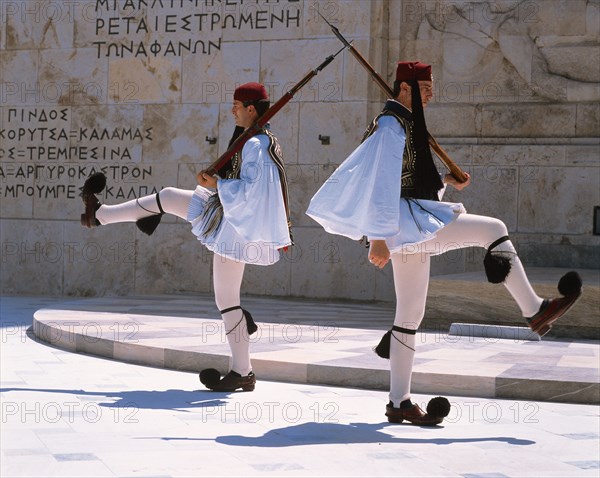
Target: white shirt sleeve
253,204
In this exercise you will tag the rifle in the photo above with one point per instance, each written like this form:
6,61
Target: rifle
238,144
451,165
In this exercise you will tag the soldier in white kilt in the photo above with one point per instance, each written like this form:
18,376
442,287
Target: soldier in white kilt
241,215
389,191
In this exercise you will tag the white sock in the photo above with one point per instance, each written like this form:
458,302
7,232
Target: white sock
411,281
470,230
518,284
173,201
227,279
402,353
239,341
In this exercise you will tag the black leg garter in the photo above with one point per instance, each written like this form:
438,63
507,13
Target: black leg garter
250,324
149,224
383,348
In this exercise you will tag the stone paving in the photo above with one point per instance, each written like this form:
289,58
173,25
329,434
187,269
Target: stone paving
72,414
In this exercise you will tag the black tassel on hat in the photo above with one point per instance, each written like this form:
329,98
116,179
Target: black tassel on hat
428,181
227,168
497,266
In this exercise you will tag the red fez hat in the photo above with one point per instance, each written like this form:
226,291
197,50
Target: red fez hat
413,70
250,92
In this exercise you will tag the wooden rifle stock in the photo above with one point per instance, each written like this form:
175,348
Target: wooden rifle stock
454,169
437,149
238,144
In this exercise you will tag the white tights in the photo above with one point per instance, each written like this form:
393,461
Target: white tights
227,274
227,277
411,281
173,201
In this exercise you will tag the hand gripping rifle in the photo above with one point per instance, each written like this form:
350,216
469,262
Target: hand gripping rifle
238,144
451,165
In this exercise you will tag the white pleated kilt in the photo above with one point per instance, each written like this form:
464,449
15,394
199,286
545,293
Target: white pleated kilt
420,221
416,222
226,241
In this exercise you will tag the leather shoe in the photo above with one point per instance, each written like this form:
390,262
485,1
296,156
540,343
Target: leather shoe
92,186
550,311
88,218
414,415
233,380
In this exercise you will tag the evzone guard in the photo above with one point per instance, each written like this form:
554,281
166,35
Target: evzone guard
239,211
241,215
389,191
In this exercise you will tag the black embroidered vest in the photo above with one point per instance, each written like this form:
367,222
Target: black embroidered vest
409,156
232,171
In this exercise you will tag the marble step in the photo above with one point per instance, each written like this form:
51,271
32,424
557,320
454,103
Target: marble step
184,333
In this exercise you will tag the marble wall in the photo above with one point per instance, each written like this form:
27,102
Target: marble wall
518,93
141,89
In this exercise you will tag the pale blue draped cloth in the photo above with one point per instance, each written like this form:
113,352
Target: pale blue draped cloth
362,196
254,225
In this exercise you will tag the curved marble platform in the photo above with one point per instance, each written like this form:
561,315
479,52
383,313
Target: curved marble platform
326,343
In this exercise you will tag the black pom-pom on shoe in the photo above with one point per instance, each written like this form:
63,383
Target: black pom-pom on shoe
570,284
209,377
95,184
551,310
438,407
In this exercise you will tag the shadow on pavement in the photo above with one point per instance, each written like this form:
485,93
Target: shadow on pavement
314,433
172,399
